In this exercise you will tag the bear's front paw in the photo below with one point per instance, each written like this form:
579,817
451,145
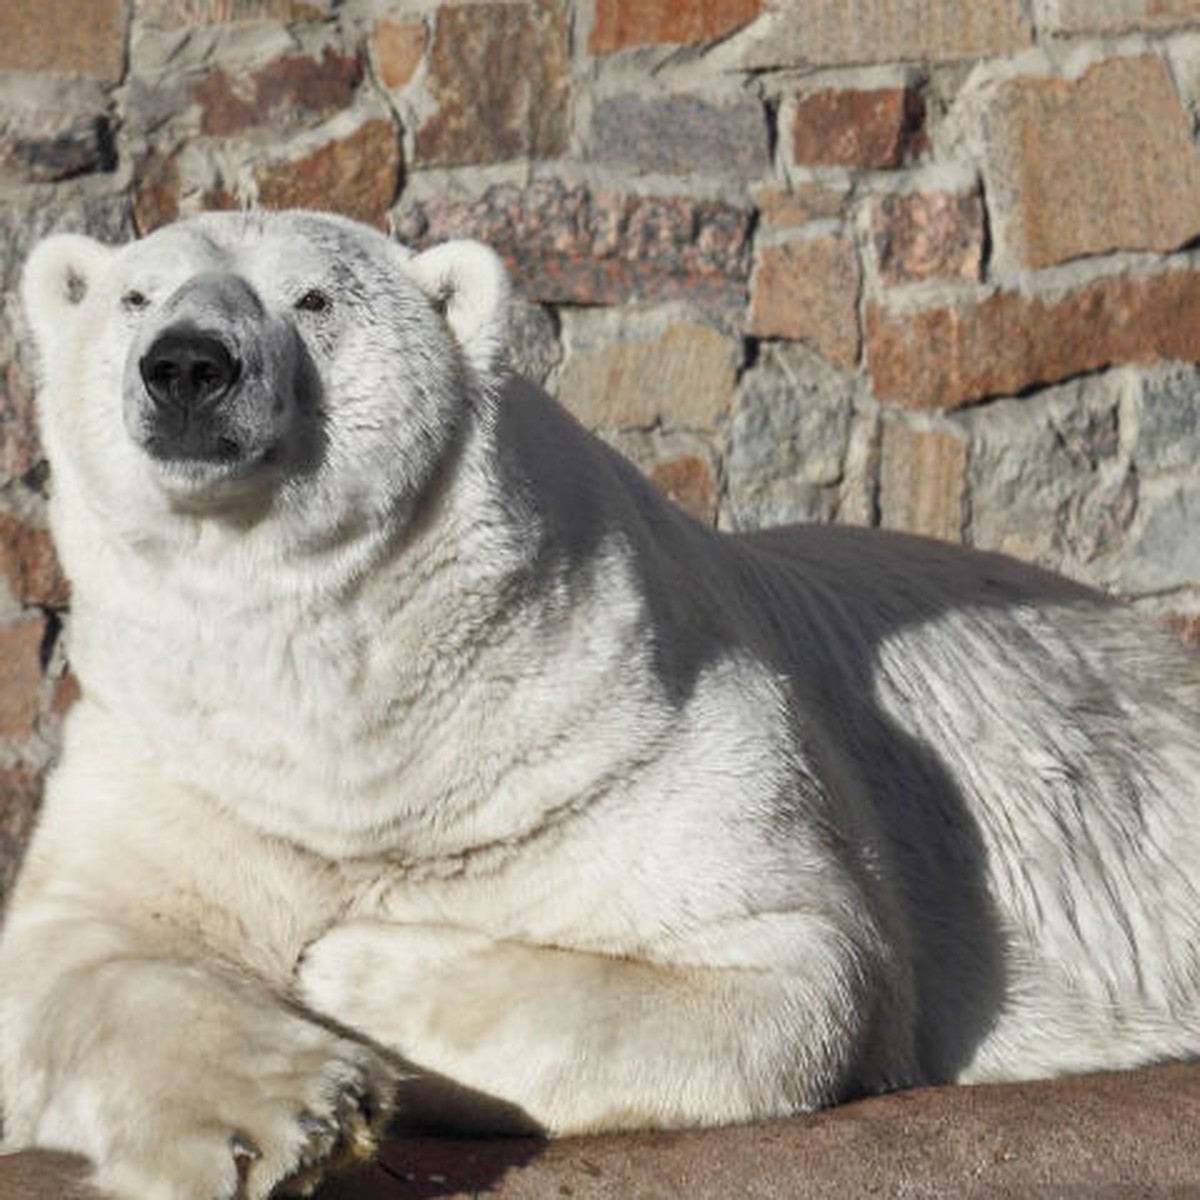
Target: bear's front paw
298,1100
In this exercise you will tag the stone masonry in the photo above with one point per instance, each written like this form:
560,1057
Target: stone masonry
919,264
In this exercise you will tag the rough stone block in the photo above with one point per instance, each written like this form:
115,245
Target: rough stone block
928,235
29,563
807,289
684,377
788,208
397,48
499,77
356,173
64,37
922,480
20,802
1087,166
1165,550
1168,423
170,14
583,245
789,435
290,89
944,356
682,135
1112,16
858,127
49,148
834,33
1049,480
20,446
21,679
620,24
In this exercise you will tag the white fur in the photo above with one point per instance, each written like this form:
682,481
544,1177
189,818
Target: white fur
452,732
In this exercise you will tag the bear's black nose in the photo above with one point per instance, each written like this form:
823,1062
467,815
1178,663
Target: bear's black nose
188,371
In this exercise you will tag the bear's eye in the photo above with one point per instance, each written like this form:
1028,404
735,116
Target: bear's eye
133,300
313,301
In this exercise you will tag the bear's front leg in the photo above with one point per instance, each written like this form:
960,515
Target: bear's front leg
177,1082
143,974
582,1042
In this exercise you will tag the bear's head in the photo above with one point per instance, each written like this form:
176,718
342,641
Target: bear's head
238,364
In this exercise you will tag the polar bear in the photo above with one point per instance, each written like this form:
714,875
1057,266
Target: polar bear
427,761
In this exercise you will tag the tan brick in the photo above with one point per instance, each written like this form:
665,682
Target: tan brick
685,377
858,127
807,289
291,88
945,356
921,481
169,14
1078,167
64,37
397,48
928,235
620,24
787,208
28,561
688,481
20,801
357,175
832,32
1113,16
499,76
20,677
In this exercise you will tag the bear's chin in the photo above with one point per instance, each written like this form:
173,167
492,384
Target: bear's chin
207,486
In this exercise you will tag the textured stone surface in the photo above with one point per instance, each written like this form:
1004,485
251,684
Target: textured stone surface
1104,1136
1049,479
20,802
922,481
685,377
174,13
681,463
356,174
688,481
807,289
858,127
620,24
1112,16
20,446
595,246
1055,146
1165,549
928,235
944,356
1168,436
682,134
498,74
397,48
834,33
290,89
64,37
787,208
49,150
788,439
28,562
20,680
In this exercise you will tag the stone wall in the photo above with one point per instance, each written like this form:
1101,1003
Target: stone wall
915,263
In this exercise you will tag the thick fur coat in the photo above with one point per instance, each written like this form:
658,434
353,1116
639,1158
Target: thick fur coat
426,756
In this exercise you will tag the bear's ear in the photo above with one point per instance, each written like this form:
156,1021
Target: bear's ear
58,274
467,283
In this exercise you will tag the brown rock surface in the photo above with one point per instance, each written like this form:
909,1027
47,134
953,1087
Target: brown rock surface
857,127
1055,146
1134,1134
624,23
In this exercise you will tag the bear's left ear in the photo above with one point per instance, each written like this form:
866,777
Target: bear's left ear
467,283
58,275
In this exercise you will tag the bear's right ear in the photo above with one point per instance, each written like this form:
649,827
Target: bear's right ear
58,274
